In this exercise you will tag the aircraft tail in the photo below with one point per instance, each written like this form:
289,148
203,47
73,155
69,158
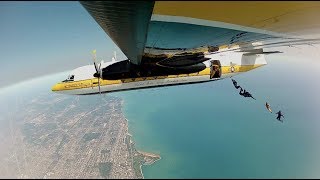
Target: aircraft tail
252,55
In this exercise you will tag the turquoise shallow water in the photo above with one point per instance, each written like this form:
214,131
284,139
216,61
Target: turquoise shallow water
209,131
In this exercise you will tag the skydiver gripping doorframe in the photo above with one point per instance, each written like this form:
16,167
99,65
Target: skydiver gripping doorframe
244,93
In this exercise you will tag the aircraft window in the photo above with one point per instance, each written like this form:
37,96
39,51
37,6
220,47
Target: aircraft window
70,78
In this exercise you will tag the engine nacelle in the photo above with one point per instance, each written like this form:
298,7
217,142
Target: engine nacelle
125,69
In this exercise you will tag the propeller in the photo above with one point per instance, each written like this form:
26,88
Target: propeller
98,73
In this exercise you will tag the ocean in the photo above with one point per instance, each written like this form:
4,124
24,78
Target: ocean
209,131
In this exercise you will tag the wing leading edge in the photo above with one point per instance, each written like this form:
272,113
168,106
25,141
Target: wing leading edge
126,23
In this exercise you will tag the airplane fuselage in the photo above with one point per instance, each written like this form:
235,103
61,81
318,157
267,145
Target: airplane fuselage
218,66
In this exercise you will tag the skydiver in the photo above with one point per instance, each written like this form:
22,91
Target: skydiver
279,116
235,84
268,107
245,93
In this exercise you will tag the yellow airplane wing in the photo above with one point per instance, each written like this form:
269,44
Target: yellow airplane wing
153,28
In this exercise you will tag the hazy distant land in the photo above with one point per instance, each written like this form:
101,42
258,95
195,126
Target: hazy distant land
58,137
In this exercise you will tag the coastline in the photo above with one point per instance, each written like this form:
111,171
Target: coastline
139,158
146,154
144,164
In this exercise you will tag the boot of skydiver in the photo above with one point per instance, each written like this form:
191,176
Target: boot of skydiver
281,120
249,95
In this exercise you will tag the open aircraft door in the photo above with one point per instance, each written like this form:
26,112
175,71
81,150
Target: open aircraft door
215,69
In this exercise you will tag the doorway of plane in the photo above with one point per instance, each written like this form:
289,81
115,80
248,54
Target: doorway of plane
215,69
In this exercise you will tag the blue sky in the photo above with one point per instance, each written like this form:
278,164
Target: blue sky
39,38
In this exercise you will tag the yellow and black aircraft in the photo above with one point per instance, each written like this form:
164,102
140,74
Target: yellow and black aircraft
180,42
